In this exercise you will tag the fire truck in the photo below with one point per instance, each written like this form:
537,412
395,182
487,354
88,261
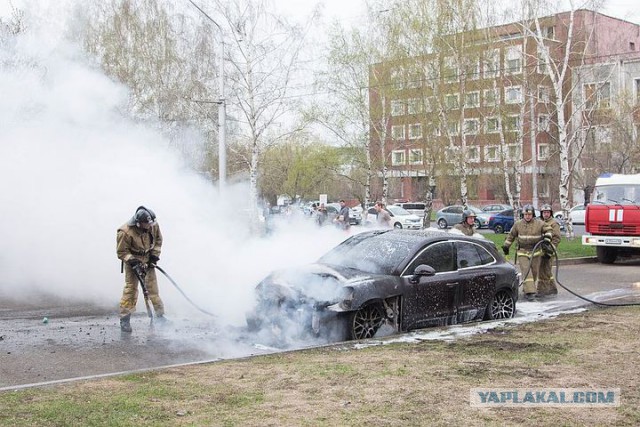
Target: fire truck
612,220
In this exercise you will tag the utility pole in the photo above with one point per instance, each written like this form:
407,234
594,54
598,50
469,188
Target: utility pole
222,110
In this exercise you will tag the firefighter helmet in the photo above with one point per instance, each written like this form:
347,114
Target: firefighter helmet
528,209
546,207
468,213
143,216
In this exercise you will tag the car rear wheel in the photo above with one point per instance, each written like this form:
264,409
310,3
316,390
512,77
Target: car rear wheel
365,322
442,223
502,306
397,225
477,223
498,229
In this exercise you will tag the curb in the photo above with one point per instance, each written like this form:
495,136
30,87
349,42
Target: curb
574,261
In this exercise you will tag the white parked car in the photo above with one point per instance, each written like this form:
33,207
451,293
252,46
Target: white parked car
577,214
400,218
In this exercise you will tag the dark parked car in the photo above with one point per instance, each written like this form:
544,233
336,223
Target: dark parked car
388,281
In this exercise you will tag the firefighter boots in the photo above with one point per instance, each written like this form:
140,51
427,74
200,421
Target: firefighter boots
125,325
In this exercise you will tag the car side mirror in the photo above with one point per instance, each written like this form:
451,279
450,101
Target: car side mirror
420,271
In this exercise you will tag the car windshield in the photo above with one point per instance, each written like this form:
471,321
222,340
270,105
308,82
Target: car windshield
377,253
397,210
476,210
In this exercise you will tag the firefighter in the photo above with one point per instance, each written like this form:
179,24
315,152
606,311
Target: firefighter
528,231
467,226
546,281
138,245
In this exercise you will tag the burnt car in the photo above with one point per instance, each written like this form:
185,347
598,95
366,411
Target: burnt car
388,281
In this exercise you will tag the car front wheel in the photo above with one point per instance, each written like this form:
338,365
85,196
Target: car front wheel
502,306
397,225
442,223
365,322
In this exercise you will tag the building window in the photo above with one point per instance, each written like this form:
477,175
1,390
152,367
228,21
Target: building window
544,94
549,32
472,99
542,61
471,126
451,154
415,156
397,108
453,128
415,131
398,157
473,70
397,79
513,60
491,153
512,123
597,95
415,80
414,106
397,132
492,125
598,135
452,101
543,189
450,69
632,46
473,153
543,123
491,97
513,152
513,95
636,91
492,63
543,151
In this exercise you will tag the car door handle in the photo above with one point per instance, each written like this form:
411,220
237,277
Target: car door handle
452,285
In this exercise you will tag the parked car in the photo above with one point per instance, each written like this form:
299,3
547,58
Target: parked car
416,208
495,208
400,218
502,222
451,215
388,280
577,214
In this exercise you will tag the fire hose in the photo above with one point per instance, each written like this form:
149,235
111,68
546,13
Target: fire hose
140,274
551,248
173,282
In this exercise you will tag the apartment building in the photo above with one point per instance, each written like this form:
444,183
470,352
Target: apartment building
483,105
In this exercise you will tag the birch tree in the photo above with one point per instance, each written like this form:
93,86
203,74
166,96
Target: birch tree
263,57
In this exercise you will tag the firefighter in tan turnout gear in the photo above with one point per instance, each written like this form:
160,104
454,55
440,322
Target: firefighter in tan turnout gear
528,231
139,242
467,226
546,281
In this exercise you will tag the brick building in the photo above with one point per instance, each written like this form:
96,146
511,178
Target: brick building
484,105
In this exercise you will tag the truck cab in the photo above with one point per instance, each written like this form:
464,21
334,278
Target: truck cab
612,220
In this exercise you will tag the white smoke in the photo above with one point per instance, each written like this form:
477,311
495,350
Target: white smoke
73,168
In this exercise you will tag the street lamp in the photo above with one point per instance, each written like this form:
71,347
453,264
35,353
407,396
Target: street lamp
222,110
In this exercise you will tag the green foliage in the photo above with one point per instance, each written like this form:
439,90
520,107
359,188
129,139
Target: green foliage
566,249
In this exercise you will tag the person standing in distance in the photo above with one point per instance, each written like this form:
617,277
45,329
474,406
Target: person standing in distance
343,216
138,246
383,219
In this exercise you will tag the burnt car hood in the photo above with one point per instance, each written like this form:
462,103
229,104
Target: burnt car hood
318,282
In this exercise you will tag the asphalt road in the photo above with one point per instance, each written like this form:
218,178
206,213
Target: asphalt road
83,341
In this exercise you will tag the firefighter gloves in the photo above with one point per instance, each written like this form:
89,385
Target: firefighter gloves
153,259
505,249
